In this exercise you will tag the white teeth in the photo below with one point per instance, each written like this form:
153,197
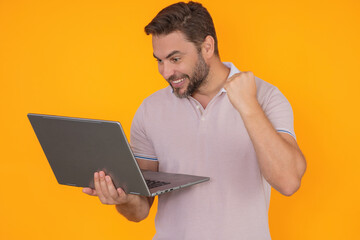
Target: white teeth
180,80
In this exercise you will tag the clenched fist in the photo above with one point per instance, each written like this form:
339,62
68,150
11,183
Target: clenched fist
241,90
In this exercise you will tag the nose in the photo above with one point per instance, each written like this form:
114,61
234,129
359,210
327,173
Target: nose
166,70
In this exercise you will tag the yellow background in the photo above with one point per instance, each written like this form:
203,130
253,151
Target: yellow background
92,59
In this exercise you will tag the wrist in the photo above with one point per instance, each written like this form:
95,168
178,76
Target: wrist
127,200
135,209
249,108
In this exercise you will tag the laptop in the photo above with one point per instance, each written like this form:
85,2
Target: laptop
77,147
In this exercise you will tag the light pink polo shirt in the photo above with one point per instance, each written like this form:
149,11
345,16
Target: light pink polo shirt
213,142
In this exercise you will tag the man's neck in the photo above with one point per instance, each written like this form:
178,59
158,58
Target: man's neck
215,81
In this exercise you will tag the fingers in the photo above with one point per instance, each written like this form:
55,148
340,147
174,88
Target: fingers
89,191
103,185
105,189
98,187
111,188
120,192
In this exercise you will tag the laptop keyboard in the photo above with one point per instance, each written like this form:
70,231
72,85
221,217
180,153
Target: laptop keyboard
154,184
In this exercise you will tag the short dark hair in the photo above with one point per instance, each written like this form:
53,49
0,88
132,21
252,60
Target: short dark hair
190,18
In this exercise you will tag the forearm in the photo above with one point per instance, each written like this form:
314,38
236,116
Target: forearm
281,163
137,209
280,159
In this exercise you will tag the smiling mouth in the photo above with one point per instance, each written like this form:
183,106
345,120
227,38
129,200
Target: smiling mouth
178,81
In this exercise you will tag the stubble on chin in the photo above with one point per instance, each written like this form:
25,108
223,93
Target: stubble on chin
177,93
197,80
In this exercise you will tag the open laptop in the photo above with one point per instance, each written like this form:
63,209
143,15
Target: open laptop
78,147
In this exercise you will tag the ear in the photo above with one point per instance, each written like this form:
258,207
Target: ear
207,47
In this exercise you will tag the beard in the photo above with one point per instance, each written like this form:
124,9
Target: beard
198,78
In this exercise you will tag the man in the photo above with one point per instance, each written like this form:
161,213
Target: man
213,120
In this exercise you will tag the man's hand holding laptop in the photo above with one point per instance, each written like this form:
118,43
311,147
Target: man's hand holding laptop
133,207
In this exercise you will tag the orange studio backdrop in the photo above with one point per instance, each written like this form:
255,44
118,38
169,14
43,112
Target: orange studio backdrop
92,59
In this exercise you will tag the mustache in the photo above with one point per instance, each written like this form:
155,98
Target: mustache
174,77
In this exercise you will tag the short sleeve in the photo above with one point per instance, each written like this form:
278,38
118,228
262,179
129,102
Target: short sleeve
278,110
141,146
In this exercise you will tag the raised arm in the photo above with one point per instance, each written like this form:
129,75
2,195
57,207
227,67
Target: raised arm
281,162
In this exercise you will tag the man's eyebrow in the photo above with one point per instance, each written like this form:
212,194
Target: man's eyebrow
169,55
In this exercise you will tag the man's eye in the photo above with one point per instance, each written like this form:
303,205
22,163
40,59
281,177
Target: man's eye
174,60
159,60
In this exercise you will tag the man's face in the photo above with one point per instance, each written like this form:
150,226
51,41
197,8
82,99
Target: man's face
180,63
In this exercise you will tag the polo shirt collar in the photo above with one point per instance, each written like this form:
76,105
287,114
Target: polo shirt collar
233,70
